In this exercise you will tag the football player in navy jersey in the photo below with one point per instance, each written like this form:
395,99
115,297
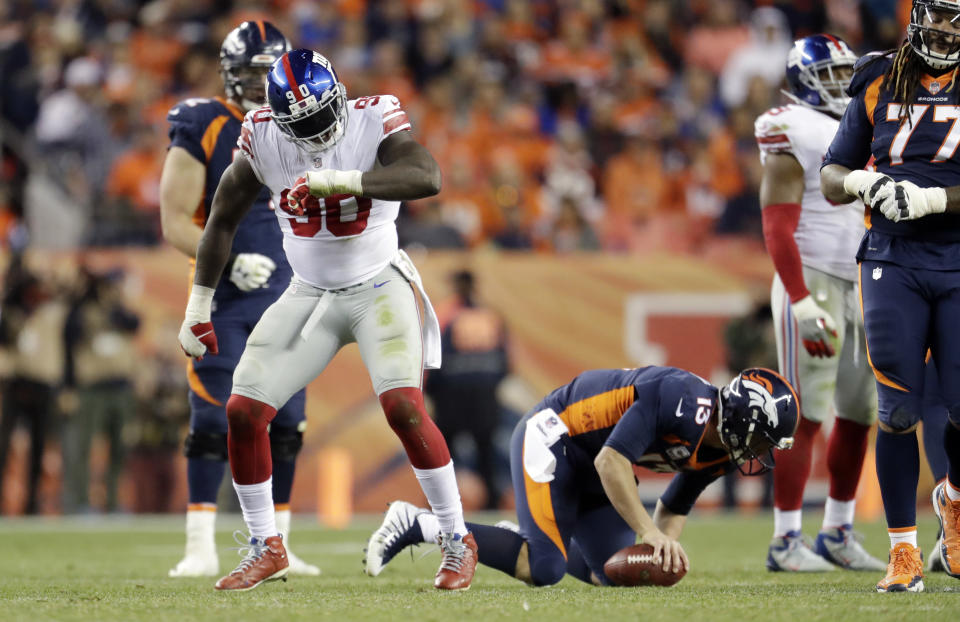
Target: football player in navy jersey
572,459
203,141
904,113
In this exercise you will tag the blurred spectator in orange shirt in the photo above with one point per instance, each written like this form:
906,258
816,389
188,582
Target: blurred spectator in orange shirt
633,188
711,43
573,56
133,188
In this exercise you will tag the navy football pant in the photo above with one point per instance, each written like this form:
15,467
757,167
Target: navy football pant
566,529
905,312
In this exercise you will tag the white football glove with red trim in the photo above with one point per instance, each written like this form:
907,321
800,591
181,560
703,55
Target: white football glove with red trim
196,333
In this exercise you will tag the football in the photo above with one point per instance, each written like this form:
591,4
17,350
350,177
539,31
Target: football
634,565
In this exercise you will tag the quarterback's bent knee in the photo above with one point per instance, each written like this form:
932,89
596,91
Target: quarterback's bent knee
547,571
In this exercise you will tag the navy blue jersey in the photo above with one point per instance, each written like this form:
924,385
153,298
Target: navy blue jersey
655,416
208,129
921,149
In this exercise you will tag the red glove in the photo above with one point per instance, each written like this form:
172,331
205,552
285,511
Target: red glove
297,196
203,333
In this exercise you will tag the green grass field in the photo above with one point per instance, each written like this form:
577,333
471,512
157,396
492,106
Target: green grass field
115,569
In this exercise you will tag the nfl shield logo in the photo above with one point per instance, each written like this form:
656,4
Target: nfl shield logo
317,162
934,88
877,273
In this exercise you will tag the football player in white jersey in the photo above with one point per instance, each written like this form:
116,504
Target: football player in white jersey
336,170
815,302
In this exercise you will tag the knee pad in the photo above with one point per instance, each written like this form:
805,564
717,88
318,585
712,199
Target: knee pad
245,416
206,446
285,443
548,571
403,408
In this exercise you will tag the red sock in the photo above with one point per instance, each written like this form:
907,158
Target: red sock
845,452
248,443
420,436
793,467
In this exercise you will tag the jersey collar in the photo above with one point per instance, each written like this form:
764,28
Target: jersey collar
936,84
234,109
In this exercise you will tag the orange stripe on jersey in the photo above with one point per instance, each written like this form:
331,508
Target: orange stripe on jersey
600,411
871,97
881,378
232,107
193,380
866,216
942,81
541,509
209,140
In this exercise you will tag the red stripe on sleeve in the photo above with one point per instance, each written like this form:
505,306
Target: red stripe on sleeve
777,138
395,123
779,224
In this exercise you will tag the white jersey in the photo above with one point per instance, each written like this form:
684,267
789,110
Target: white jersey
343,240
827,235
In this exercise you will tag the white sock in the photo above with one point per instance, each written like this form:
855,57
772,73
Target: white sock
785,521
200,531
282,518
838,513
952,493
430,527
256,500
440,487
910,537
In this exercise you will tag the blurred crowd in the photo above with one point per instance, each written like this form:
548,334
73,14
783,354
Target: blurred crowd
90,405
616,125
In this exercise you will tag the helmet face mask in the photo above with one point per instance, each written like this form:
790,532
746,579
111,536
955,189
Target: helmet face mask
934,32
758,413
307,100
245,57
819,70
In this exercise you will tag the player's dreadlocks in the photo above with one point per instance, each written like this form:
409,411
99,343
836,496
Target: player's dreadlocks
904,75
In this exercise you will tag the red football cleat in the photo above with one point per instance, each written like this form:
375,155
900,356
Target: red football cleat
266,560
458,564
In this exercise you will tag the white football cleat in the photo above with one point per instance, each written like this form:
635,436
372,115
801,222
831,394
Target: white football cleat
398,530
297,565
196,566
790,553
200,558
841,546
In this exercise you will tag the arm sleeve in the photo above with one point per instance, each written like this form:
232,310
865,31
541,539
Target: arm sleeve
635,432
779,224
684,489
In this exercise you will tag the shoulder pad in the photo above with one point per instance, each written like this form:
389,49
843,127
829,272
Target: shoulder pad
868,68
195,110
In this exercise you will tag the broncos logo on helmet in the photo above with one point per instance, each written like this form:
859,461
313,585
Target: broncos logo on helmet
819,70
245,55
758,413
934,32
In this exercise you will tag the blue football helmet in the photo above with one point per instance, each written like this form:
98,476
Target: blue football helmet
308,101
245,56
932,33
813,76
758,413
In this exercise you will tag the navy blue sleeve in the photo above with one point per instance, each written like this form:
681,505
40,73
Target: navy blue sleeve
851,143
635,432
187,125
684,489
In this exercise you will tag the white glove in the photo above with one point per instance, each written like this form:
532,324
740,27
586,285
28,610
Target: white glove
911,202
816,327
869,186
251,270
196,333
328,182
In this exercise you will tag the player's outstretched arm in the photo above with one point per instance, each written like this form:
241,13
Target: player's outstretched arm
236,193
666,521
616,475
181,190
